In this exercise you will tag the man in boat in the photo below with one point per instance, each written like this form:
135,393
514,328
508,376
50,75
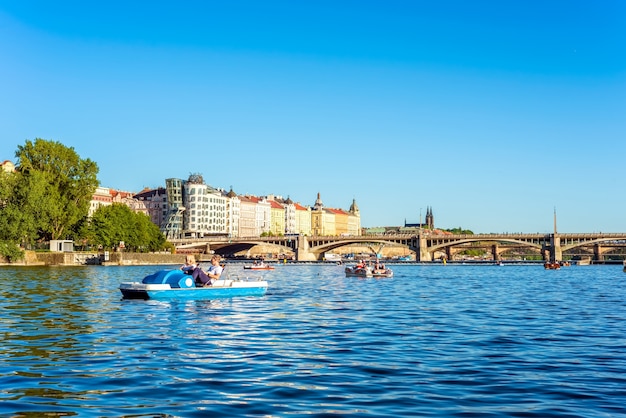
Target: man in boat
206,278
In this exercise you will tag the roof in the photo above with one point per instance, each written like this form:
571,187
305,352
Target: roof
275,205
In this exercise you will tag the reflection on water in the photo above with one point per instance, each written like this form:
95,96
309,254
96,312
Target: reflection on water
432,341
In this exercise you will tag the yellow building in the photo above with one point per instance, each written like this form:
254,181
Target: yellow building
277,218
333,222
303,219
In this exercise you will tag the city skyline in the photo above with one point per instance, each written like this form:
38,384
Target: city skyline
492,114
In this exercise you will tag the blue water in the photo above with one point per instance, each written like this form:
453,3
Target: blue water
455,340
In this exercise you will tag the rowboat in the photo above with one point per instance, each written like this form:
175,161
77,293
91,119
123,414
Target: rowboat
175,284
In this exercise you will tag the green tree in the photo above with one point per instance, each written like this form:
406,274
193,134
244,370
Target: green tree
113,224
56,185
12,219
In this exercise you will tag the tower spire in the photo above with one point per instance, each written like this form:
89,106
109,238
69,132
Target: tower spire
555,220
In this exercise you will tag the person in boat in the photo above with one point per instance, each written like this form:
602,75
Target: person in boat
190,264
206,278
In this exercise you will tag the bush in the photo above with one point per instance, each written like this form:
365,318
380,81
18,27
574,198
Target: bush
11,251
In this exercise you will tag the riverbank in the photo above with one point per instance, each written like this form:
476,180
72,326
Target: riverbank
32,258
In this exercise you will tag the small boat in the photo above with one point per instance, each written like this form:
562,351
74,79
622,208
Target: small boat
552,265
259,266
382,271
359,271
175,284
584,261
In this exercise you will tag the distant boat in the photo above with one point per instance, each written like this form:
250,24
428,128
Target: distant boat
381,271
259,266
552,265
359,271
584,261
332,257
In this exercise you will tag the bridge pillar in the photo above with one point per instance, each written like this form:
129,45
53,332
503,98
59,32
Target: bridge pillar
494,252
597,253
422,253
207,250
302,250
556,254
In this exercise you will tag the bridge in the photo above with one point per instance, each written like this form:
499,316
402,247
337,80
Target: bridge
425,245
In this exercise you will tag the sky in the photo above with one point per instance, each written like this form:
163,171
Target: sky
496,115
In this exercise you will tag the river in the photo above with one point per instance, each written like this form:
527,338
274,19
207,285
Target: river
433,341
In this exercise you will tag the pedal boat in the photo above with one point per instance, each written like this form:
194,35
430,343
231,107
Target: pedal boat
175,284
358,271
382,272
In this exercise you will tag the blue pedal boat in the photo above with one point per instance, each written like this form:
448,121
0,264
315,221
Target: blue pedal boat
175,284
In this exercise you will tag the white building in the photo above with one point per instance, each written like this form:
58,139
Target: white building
205,209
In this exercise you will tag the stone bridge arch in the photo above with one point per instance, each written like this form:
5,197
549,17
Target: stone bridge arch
448,247
317,251
424,245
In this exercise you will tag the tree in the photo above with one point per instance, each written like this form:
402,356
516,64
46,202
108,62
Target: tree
113,224
12,218
56,185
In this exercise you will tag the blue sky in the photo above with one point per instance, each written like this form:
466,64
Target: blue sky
492,113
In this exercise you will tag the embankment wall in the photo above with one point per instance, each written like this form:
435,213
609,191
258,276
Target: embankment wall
32,258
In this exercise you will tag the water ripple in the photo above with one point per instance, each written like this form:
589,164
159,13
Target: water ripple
435,341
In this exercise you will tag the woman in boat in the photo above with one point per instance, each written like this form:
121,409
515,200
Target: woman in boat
206,278
190,264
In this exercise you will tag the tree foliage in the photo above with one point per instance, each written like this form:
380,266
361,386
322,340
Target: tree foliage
460,231
48,198
55,186
117,223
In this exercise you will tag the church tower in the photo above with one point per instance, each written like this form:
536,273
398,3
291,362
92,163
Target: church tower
354,209
318,203
430,219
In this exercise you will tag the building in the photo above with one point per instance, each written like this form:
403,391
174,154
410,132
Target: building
332,222
303,219
233,213
195,209
262,215
429,223
101,197
8,166
192,209
172,226
277,218
247,217
154,202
